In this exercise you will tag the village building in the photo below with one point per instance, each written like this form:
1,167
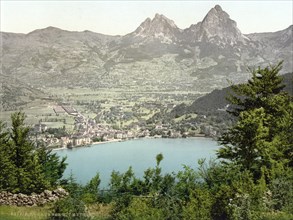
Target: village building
40,127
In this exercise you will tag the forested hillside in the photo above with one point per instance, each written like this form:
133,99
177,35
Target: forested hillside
216,100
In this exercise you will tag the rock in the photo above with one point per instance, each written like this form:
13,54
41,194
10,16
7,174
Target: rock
41,201
48,193
20,195
60,192
7,198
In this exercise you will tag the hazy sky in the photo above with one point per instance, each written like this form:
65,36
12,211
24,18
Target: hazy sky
122,17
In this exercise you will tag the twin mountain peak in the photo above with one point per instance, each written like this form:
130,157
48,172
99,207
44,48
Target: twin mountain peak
216,24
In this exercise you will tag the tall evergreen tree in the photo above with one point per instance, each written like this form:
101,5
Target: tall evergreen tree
21,149
24,168
52,167
7,167
264,84
261,137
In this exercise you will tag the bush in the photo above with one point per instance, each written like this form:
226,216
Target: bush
140,208
200,205
69,208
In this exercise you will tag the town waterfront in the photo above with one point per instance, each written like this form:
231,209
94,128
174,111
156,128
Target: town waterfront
85,162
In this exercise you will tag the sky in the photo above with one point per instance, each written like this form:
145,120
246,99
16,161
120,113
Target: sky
122,17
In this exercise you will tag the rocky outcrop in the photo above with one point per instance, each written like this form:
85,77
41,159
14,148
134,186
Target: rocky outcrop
7,198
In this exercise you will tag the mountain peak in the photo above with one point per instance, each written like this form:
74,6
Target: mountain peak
163,19
218,8
47,30
158,27
217,24
217,14
158,16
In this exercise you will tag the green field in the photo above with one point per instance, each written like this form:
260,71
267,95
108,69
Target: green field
93,102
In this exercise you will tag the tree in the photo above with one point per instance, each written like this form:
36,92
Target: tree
52,167
8,169
24,168
261,136
256,93
21,152
91,190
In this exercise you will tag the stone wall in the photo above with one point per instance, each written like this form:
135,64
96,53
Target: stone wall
7,198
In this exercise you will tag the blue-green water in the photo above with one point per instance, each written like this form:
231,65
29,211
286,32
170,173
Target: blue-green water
140,154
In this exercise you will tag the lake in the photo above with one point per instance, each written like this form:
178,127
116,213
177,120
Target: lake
84,162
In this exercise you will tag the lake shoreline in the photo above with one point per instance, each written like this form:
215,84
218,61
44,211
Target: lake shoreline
138,153
129,139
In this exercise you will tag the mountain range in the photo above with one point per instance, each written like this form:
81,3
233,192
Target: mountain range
157,55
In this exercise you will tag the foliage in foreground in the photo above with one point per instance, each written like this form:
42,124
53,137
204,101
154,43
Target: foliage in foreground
74,206
215,191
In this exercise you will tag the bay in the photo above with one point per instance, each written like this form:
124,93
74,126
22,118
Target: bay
85,162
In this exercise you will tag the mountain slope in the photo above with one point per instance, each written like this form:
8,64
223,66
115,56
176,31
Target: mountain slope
14,93
216,100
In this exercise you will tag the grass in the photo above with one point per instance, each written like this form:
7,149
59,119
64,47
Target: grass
277,216
99,211
23,213
96,212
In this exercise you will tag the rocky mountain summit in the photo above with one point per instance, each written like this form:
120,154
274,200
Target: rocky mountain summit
160,27
157,55
217,26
